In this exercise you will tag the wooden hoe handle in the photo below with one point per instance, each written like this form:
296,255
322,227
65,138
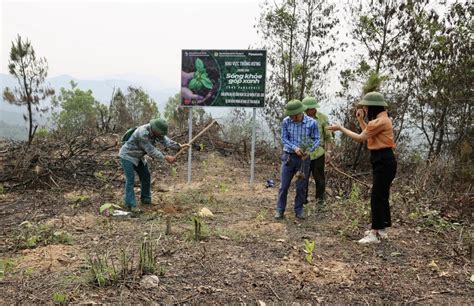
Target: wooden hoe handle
195,137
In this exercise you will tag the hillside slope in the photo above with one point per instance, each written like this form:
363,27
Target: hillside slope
243,255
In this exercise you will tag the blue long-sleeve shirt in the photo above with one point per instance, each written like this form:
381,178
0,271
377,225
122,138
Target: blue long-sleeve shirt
142,142
293,134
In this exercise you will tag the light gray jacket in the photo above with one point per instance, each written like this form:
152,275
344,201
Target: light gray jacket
142,142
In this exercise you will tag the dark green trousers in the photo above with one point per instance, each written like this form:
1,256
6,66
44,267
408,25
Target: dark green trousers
316,169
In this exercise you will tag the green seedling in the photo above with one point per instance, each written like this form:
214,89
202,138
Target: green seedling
76,198
261,216
200,79
147,264
125,262
102,270
28,271
197,228
62,237
309,209
6,266
223,187
162,271
200,229
174,171
32,241
31,235
355,193
305,146
432,219
308,249
59,298
100,176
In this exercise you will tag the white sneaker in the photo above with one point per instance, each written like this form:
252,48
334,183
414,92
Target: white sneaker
370,238
381,233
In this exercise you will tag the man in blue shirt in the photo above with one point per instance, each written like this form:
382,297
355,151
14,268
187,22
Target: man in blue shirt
300,137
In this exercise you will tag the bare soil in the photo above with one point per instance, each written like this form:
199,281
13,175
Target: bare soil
244,255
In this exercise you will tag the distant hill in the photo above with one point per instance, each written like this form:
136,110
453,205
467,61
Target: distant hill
102,89
13,131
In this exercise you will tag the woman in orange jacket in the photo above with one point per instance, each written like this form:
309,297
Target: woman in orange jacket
379,135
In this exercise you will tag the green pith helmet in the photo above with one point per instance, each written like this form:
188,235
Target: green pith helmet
294,107
310,102
373,99
159,125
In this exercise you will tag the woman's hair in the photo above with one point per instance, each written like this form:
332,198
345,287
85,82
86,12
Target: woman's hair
373,111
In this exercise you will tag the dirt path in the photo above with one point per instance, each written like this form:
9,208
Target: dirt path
244,256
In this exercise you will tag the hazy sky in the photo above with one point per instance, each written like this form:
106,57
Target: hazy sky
92,39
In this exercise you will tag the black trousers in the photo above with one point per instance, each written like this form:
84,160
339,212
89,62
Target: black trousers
316,169
384,168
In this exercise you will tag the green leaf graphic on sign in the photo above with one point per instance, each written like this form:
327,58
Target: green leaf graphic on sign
199,65
200,79
194,84
207,83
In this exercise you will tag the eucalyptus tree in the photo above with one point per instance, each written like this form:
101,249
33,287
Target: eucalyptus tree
299,39
377,34
140,106
422,52
121,118
438,63
178,115
132,108
76,110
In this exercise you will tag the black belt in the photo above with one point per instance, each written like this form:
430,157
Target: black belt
290,153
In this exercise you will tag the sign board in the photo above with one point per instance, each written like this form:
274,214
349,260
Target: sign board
232,78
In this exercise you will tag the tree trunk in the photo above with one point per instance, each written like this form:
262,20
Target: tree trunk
31,132
405,108
290,56
442,130
306,50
